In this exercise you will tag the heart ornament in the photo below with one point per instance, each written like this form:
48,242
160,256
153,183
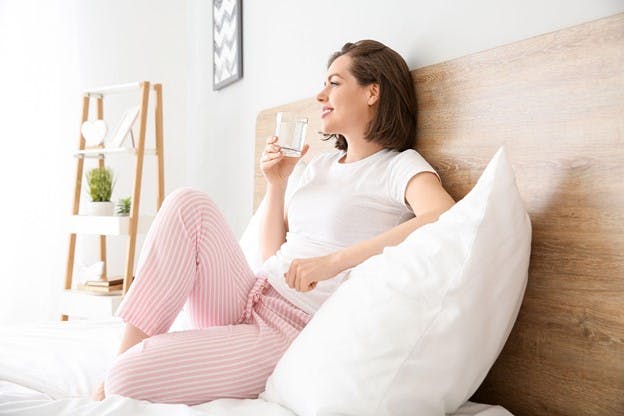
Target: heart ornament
93,132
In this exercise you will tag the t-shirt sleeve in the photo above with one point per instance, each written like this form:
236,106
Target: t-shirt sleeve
402,168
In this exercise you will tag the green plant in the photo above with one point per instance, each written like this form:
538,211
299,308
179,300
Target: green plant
123,206
100,181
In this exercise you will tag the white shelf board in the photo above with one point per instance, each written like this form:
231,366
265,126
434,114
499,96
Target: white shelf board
78,303
112,89
102,152
106,225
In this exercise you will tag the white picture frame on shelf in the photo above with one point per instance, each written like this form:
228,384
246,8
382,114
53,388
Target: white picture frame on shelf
123,127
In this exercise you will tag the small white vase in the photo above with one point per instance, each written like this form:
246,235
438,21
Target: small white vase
100,208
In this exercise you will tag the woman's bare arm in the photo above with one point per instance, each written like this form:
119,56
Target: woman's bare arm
273,224
276,169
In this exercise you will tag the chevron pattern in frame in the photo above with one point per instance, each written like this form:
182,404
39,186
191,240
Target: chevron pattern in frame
227,42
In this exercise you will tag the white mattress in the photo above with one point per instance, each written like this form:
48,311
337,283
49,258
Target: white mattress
51,369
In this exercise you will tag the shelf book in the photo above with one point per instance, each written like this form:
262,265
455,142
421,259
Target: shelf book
112,290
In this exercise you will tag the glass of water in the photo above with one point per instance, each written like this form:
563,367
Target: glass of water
290,130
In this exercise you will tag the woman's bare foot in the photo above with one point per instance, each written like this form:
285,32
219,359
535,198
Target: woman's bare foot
98,394
132,336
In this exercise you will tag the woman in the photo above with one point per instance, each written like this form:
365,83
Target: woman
349,205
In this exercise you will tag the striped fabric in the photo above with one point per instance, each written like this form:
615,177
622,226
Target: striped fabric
243,326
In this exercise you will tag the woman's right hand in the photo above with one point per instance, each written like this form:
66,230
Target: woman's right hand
276,167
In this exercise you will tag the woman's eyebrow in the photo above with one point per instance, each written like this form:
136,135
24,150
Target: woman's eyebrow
334,74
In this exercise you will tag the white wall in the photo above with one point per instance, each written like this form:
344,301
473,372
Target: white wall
286,46
50,50
36,49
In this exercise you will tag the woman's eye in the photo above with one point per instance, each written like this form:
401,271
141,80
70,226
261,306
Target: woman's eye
334,83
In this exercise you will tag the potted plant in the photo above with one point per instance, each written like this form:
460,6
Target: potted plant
123,206
100,182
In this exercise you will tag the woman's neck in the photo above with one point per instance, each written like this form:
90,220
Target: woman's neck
359,149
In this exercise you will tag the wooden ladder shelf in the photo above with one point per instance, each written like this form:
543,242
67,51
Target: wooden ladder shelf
74,300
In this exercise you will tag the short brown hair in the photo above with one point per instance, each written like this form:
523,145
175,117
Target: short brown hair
394,123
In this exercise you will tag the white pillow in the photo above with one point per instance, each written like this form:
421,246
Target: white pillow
250,239
415,330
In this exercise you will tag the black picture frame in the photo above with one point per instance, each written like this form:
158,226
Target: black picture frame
227,42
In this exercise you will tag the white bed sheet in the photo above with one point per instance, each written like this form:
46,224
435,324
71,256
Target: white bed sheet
51,368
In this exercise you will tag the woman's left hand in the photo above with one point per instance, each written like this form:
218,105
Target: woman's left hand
303,274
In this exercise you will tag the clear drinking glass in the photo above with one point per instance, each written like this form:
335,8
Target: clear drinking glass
290,129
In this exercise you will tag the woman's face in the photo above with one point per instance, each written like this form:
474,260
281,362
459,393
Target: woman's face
347,107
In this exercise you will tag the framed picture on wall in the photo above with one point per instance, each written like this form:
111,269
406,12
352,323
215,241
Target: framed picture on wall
227,42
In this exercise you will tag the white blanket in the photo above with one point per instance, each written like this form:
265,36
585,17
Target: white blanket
51,369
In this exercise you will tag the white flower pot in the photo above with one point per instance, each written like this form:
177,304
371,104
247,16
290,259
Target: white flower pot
100,208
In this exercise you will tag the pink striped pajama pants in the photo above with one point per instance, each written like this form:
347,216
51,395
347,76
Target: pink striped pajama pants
243,326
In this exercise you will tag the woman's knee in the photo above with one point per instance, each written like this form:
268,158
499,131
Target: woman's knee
118,380
123,374
189,198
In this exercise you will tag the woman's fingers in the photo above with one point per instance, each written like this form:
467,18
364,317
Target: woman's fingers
271,141
305,149
271,148
290,275
294,277
271,156
302,284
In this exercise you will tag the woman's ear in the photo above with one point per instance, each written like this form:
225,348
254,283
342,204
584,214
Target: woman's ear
373,93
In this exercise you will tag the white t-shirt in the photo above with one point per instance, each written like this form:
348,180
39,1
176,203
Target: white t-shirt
337,205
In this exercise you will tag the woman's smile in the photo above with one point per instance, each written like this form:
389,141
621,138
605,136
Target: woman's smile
326,110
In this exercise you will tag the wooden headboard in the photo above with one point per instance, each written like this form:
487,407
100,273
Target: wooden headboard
557,103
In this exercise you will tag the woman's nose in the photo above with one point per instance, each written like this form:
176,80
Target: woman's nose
321,96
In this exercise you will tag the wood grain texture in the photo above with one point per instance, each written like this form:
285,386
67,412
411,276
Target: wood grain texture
556,102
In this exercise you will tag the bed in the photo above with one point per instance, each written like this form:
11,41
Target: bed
556,102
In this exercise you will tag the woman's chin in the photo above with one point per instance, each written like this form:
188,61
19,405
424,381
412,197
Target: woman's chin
327,129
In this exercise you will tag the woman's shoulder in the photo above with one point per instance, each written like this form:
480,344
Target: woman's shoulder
409,156
408,162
